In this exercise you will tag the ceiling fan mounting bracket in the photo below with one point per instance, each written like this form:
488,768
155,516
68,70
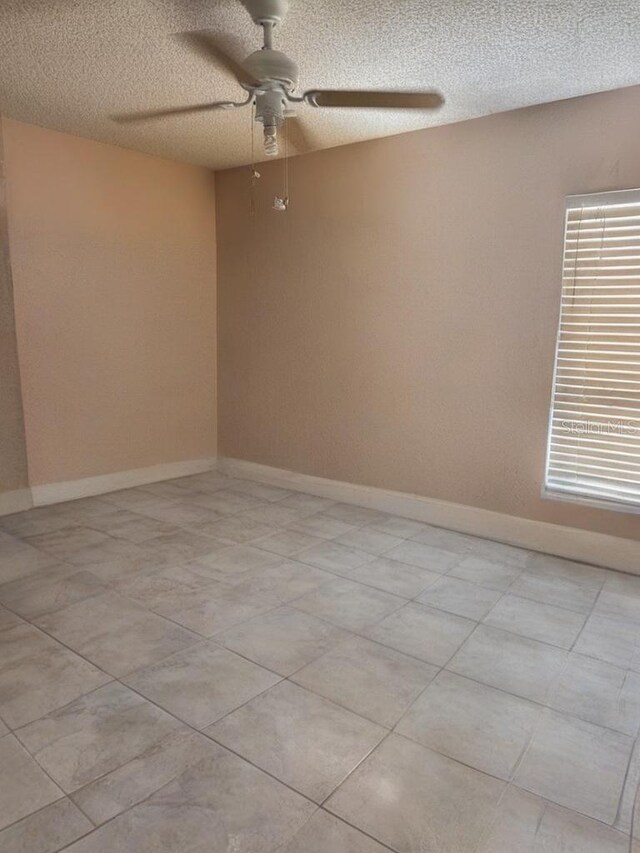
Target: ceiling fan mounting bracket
267,11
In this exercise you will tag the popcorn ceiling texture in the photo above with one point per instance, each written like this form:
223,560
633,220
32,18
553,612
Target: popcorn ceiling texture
68,64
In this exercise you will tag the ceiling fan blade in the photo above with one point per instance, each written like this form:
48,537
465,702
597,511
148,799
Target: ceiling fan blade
125,118
374,100
297,135
206,44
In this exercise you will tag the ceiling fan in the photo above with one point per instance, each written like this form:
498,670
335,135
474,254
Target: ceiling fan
270,77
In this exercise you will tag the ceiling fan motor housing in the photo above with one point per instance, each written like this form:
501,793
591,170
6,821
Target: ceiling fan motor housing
266,11
272,65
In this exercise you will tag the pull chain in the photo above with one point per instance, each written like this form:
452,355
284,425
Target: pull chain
255,175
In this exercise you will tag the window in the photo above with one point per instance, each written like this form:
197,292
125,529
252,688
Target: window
593,452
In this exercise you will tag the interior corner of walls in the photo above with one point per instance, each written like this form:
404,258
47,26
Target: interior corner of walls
52,493
569,543
14,469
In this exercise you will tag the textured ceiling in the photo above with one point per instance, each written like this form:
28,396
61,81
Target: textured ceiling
68,64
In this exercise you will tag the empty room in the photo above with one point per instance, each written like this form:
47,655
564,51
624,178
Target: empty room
319,426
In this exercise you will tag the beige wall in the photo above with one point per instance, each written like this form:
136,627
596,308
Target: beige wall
113,256
13,458
397,326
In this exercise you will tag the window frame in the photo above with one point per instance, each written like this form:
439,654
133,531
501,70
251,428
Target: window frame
608,198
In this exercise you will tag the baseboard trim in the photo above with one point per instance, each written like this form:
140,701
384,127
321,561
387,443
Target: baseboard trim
52,493
569,542
15,501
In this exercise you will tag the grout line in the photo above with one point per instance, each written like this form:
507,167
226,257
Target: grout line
359,829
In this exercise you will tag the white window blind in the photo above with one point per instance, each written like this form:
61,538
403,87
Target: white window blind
594,430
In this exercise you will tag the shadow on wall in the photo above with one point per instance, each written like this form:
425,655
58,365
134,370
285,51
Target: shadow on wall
13,457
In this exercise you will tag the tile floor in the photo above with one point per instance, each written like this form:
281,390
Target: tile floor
213,664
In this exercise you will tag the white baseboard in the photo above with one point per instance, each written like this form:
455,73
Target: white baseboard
569,542
52,493
15,501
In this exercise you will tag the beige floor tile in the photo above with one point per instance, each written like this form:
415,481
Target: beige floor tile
262,491
475,724
19,560
95,734
511,663
308,504
202,683
507,554
8,619
558,591
302,739
67,541
527,824
394,525
34,521
235,562
120,568
188,598
37,675
219,804
620,605
614,641
393,576
171,490
424,556
334,557
353,514
590,576
485,572
423,632
233,529
134,781
207,481
460,597
622,582
599,693
115,633
225,501
43,593
151,495
285,581
324,833
47,830
287,543
414,799
447,540
283,640
348,605
181,514
321,526
577,765
628,818
187,544
370,540
374,681
24,786
135,527
554,625
272,514
85,547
